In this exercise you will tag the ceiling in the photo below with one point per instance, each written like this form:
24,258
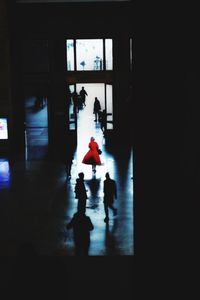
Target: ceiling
66,1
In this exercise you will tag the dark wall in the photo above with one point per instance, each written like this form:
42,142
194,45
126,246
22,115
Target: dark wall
165,123
39,34
78,19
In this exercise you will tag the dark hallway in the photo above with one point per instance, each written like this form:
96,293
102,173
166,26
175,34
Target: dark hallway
41,200
37,199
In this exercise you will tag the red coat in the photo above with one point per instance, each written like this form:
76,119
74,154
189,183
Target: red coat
92,156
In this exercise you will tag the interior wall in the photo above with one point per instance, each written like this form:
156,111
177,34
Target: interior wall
40,35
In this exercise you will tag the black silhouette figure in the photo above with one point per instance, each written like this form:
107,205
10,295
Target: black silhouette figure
82,226
83,95
80,192
103,120
80,104
69,160
69,95
96,109
110,193
75,102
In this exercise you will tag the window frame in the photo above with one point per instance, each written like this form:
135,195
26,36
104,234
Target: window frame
75,55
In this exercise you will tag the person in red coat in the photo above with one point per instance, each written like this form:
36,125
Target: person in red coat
92,156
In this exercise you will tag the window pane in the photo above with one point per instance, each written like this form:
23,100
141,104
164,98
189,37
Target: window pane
89,54
109,54
70,55
3,129
109,106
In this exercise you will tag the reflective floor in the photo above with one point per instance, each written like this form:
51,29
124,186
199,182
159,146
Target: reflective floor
37,200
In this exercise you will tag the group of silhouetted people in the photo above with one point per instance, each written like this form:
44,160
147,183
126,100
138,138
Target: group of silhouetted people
100,115
79,100
80,222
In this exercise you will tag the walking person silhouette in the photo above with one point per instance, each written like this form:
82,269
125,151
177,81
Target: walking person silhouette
68,161
103,120
81,225
96,108
80,192
83,95
110,193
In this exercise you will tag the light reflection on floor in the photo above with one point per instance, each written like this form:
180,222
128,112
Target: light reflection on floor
116,238
5,177
41,199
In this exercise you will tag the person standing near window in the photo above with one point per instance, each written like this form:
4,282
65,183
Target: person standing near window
80,192
83,95
81,225
110,193
103,120
96,109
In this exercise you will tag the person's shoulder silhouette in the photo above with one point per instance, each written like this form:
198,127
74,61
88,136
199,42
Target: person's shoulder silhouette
81,222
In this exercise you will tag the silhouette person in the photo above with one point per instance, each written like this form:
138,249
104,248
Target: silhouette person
75,102
103,120
69,95
83,95
80,192
92,156
96,109
110,193
82,226
69,161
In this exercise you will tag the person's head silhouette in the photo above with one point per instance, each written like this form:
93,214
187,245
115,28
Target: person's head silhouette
81,175
107,175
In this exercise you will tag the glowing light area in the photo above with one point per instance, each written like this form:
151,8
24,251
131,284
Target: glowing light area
109,54
4,174
3,129
70,55
118,233
89,54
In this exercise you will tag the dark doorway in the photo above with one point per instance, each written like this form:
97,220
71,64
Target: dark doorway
36,127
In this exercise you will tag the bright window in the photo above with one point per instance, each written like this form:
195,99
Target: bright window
3,129
89,54
70,55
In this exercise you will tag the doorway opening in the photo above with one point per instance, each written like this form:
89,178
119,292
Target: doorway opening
83,120
84,114
36,127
